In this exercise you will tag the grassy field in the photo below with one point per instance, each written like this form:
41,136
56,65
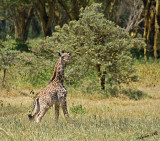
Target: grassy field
93,117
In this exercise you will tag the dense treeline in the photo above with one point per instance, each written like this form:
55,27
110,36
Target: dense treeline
104,36
101,50
25,19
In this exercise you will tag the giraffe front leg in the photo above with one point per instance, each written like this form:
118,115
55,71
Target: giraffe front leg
57,111
64,108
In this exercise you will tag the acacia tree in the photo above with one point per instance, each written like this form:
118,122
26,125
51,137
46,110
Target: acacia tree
72,7
151,25
17,65
19,12
146,13
135,17
50,12
110,8
98,43
8,57
157,27
45,10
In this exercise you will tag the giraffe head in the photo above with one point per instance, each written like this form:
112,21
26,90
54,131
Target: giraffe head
65,56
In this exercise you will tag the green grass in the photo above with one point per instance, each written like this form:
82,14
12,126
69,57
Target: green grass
135,113
112,119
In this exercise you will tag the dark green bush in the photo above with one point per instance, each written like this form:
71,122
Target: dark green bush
21,46
135,94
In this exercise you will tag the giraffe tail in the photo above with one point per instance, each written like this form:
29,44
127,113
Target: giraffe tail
35,106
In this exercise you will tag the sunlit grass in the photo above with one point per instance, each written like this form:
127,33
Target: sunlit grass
107,119
93,116
149,78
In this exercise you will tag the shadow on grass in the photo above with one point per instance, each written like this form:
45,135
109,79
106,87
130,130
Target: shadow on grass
7,109
135,94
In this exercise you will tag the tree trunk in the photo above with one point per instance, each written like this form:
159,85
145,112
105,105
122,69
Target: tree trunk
73,9
27,24
16,32
151,25
46,18
22,23
146,25
72,14
4,76
156,28
101,76
103,81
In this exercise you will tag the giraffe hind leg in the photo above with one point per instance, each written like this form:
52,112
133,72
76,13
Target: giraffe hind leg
36,108
41,113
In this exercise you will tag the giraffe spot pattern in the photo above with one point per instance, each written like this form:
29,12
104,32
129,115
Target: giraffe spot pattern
53,93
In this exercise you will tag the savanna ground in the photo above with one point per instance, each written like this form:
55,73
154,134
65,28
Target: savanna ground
93,117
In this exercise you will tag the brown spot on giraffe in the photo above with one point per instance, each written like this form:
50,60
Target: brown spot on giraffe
53,93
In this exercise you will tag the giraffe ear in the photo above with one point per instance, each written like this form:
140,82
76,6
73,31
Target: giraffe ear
70,53
59,54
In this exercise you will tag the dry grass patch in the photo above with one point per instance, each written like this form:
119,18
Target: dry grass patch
149,78
105,119
94,117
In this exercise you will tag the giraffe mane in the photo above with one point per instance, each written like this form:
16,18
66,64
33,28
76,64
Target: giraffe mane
55,71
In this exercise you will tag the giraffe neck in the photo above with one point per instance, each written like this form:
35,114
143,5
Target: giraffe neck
58,72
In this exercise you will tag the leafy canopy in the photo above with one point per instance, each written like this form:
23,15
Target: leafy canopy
95,40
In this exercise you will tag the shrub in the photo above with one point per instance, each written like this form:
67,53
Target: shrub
97,44
8,57
77,109
21,46
22,65
135,94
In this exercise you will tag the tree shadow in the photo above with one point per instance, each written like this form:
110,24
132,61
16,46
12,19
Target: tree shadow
135,94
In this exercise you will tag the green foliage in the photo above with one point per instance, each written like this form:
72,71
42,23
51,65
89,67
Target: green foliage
33,69
112,90
77,109
37,78
7,54
19,63
95,40
135,94
21,46
86,85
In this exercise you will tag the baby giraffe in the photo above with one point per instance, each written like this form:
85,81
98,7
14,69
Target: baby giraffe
53,93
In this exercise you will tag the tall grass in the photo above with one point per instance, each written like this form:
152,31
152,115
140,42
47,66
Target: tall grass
102,120
93,116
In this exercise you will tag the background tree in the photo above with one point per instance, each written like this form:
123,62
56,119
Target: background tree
8,57
151,25
157,28
20,14
45,10
97,43
135,18
72,7
134,15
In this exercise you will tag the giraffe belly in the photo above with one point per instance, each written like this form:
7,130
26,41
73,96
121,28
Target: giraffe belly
48,100
54,98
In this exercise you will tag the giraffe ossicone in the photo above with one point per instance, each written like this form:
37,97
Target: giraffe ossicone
53,93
